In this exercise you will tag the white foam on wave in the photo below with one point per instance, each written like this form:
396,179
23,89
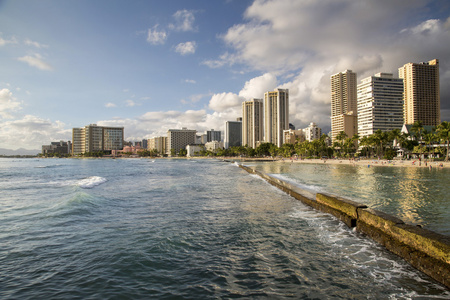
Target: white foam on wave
310,188
91,182
360,254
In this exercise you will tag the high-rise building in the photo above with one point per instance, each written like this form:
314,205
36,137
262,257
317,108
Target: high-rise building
276,116
158,143
233,134
212,135
343,100
421,94
252,122
93,138
178,139
343,93
380,104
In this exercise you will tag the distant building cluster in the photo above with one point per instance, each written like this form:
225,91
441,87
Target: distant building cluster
383,102
379,102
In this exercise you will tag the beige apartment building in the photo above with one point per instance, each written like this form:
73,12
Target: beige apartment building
292,136
252,122
178,139
347,123
157,143
343,93
421,94
93,138
276,116
343,103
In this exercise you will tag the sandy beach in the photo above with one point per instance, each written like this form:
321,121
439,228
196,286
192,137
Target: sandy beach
374,162
356,162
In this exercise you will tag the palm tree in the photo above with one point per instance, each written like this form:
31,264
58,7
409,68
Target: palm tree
443,131
394,135
340,141
381,139
417,129
429,138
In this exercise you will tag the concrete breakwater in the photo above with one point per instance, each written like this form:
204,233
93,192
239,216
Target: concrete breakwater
425,250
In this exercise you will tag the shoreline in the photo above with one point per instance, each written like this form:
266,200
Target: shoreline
355,162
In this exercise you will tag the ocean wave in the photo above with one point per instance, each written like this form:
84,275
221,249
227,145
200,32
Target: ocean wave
49,166
308,187
91,182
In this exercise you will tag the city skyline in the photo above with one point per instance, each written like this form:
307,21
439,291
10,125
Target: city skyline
150,67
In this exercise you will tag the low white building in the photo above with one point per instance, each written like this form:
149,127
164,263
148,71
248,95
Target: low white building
214,146
312,132
194,150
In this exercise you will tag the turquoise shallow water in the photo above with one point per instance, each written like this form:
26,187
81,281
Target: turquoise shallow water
418,196
179,229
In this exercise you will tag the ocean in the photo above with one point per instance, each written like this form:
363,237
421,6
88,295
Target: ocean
181,229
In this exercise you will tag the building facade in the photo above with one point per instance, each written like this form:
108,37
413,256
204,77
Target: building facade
347,123
380,104
233,134
157,143
60,147
194,150
276,116
312,132
343,99
213,146
93,138
252,122
212,135
178,139
421,92
292,136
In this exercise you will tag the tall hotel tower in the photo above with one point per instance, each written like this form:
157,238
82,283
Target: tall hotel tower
252,122
422,101
343,104
276,116
380,104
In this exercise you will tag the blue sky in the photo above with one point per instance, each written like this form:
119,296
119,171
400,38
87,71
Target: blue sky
154,65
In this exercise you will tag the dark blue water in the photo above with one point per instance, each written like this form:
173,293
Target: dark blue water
179,229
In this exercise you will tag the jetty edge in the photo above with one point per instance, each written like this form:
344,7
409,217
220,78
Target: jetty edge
427,251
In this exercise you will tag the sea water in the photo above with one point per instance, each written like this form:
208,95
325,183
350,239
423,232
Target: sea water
180,229
416,195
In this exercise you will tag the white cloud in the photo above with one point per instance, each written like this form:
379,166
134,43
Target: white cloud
223,101
184,21
130,103
190,81
225,59
186,48
32,132
8,104
156,37
427,27
36,61
315,39
256,87
29,42
110,105
4,42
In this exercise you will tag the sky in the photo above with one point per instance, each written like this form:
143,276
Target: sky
150,66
